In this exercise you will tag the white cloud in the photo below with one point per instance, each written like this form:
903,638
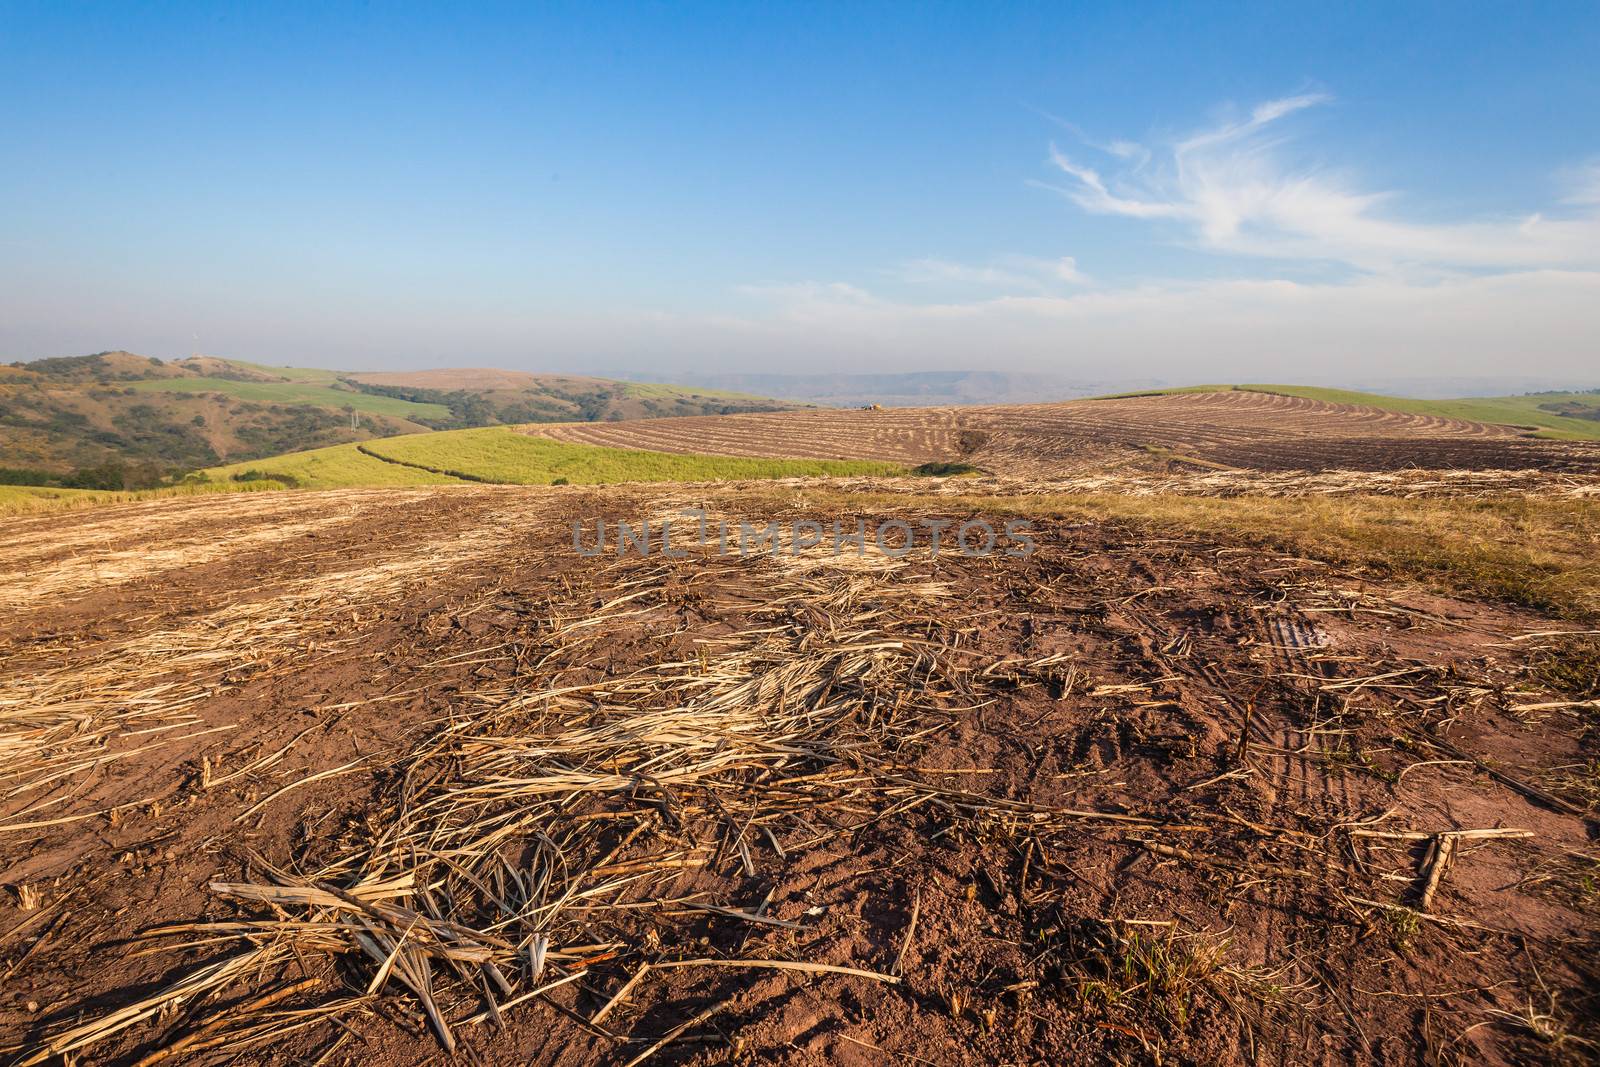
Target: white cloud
1474,297
1230,190
800,300
1583,184
1510,323
1025,273
1467,298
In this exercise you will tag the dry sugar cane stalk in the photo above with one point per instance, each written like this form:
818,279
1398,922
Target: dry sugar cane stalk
620,995
1440,851
789,712
911,930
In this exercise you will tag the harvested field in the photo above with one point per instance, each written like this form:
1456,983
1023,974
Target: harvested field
397,776
1237,429
901,435
1406,483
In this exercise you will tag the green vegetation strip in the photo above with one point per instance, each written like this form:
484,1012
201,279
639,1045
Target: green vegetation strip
297,393
315,375
334,467
497,454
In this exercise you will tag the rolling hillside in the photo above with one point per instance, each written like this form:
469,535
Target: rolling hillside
115,420
118,422
502,456
477,396
1558,416
1207,428
1565,416
299,393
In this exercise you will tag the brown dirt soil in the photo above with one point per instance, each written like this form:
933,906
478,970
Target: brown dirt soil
1235,429
376,771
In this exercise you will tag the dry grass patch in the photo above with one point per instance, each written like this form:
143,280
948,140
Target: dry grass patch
1538,553
28,499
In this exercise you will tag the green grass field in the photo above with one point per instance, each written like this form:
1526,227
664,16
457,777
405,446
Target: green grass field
313,375
335,467
1507,410
501,455
297,393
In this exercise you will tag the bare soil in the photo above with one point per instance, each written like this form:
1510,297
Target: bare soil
1124,801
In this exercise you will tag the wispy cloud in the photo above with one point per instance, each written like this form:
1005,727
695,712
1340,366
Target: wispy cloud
1016,273
1229,188
1374,325
1476,296
1583,184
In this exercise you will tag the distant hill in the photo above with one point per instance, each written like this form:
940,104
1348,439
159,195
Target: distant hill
1559,416
1572,416
1207,428
118,420
481,396
1505,399
919,388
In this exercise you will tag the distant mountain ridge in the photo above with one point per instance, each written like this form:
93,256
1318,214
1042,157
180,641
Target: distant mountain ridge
119,420
959,388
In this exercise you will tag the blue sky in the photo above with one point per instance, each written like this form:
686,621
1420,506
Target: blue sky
1185,191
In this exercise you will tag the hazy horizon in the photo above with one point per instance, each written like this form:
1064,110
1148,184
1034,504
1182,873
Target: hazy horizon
1343,196
971,385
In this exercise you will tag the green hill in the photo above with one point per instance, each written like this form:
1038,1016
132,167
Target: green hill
299,393
119,421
